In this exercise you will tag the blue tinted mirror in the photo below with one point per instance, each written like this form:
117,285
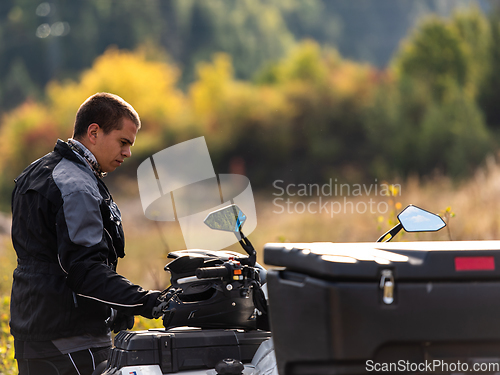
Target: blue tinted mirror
229,219
415,219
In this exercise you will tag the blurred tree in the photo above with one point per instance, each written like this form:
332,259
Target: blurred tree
392,123
428,117
369,30
328,95
244,124
252,32
408,133
18,85
27,133
490,86
58,39
453,138
141,79
310,108
447,52
31,130
474,31
434,54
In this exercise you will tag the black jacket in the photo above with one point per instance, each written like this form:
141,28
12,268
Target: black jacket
68,236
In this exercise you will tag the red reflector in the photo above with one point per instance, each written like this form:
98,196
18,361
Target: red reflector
474,263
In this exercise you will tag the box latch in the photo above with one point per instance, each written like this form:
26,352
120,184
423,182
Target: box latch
387,285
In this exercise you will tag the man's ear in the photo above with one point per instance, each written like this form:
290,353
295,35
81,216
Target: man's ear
92,132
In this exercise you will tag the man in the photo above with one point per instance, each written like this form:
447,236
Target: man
68,236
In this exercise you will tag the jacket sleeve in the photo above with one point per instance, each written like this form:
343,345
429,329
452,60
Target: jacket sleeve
83,251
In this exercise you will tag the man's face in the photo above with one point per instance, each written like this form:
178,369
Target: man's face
111,149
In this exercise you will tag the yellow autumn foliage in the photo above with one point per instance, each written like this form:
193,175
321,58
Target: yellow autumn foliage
228,110
351,79
237,117
30,131
27,133
8,365
214,85
305,63
150,86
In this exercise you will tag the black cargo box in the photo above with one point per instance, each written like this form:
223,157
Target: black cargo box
183,349
352,308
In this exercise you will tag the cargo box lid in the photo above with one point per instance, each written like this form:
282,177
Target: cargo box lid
430,260
184,337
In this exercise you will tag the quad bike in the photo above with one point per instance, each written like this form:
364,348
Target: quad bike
352,308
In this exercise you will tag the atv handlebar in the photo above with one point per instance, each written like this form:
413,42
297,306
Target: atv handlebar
210,272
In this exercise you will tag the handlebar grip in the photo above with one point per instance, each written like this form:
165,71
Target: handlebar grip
209,272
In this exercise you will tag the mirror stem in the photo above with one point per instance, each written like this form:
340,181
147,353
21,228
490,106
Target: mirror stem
392,233
248,247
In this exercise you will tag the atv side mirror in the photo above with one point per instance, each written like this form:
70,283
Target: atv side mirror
415,219
229,219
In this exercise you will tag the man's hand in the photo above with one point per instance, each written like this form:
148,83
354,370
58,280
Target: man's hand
122,322
163,300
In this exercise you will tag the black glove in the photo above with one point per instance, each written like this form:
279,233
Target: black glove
163,300
122,322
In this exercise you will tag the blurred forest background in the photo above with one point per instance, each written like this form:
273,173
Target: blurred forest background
364,91
300,91
285,89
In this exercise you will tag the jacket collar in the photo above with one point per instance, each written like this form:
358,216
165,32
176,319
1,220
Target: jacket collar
88,156
66,152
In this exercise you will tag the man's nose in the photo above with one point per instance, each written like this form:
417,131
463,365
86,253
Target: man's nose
127,152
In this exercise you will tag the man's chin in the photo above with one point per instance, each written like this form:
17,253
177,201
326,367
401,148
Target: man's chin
109,169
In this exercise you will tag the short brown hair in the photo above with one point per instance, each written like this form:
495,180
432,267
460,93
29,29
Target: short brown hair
106,110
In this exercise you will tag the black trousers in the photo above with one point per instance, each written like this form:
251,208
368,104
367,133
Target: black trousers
82,362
